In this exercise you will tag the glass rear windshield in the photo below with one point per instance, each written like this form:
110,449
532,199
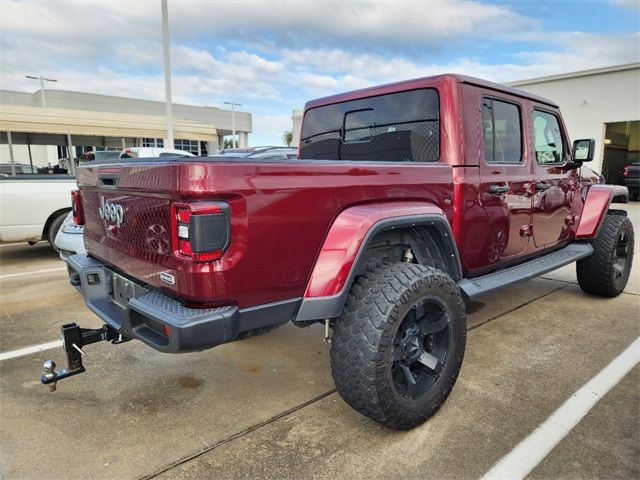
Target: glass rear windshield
398,127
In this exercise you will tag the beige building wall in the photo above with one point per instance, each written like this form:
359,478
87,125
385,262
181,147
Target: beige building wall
219,119
296,117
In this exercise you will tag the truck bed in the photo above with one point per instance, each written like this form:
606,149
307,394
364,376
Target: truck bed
279,210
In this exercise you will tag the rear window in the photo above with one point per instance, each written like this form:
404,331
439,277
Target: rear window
398,127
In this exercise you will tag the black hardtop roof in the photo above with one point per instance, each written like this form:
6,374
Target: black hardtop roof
421,83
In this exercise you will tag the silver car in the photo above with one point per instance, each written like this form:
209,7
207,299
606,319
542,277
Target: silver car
69,238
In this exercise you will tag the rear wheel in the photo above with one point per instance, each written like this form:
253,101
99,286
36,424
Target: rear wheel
54,227
606,271
397,349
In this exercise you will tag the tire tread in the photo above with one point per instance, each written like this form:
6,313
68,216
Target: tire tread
363,332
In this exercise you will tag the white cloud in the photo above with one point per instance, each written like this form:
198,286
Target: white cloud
381,23
273,56
272,126
627,3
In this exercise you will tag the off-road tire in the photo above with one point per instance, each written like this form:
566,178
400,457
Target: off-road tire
54,226
363,342
597,272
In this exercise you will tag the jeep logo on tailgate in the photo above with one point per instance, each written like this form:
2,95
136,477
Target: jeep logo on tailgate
111,211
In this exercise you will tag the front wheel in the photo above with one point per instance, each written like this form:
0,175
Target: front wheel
606,271
397,349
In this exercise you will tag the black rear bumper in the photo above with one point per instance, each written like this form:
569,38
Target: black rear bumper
162,322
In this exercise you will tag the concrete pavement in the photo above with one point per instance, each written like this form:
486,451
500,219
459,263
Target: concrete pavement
265,407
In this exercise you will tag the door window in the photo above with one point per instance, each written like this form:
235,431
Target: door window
549,145
502,127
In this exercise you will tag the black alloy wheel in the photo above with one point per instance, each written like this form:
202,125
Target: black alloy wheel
421,347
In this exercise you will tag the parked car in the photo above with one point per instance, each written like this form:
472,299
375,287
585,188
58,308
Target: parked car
153,152
409,199
19,168
277,153
631,177
34,206
99,155
69,240
265,153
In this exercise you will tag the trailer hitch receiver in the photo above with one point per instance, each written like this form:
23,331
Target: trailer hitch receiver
74,339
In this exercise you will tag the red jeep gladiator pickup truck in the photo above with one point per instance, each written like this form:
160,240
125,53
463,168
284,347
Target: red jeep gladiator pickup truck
406,200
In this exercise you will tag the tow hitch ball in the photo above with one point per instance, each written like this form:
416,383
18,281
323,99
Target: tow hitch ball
73,339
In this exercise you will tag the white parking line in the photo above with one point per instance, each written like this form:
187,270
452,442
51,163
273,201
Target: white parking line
12,244
29,350
518,463
35,272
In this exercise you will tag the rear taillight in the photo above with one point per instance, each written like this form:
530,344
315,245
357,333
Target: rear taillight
77,207
201,230
625,170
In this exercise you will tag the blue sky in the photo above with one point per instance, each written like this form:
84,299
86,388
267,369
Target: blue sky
272,56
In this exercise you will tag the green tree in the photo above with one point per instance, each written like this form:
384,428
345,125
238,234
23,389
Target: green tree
287,137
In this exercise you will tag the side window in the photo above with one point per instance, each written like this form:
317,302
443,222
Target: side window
502,129
548,138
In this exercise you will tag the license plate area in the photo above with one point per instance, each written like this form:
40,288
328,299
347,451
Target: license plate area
124,289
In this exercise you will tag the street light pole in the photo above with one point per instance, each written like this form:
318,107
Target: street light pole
233,119
42,80
43,102
167,72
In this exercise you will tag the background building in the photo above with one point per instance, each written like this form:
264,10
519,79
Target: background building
603,104
85,121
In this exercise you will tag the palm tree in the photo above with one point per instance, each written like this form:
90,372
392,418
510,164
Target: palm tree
287,137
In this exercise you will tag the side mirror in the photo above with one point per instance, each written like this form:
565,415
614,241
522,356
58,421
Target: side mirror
583,150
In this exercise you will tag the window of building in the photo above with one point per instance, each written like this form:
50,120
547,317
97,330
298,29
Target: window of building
549,145
153,142
400,127
190,146
502,127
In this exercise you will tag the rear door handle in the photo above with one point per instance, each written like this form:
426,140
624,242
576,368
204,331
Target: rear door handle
497,189
542,186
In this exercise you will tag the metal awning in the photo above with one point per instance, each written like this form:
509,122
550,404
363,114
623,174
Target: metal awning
62,121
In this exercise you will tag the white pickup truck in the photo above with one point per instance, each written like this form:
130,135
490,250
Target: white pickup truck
33,207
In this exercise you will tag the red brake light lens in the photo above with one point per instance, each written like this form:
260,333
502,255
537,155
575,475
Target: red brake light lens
77,207
625,170
183,215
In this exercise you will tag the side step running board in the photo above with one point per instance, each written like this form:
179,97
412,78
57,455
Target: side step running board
475,287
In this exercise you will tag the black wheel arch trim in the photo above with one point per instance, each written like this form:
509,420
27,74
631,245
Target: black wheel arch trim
320,308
